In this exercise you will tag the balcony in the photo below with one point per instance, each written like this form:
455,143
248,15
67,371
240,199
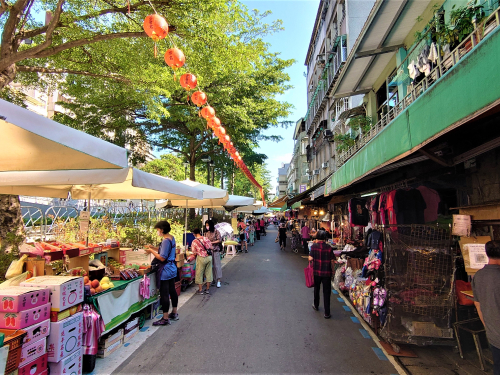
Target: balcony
329,76
431,81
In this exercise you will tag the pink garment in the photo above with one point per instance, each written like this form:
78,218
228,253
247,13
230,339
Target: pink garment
432,200
93,327
305,232
383,208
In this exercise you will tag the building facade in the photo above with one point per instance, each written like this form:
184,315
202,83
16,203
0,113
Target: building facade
335,31
281,188
298,177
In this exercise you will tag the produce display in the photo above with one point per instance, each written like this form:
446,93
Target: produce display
97,286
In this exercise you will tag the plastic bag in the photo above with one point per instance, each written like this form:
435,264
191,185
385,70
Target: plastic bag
16,281
16,267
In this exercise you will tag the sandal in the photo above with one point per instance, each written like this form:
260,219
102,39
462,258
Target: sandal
162,322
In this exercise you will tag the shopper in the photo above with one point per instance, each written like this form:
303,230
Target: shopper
202,248
257,229
282,234
305,237
251,232
321,256
166,272
243,237
216,239
486,290
262,227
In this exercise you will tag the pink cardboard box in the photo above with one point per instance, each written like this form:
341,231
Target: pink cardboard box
25,318
66,291
36,332
35,367
65,337
72,364
34,350
18,298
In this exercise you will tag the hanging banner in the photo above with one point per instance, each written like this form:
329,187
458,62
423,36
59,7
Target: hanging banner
461,225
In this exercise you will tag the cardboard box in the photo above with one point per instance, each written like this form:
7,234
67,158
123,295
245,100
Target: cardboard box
57,316
36,367
36,332
66,291
25,318
105,343
72,364
131,324
65,337
179,257
18,298
86,251
180,263
33,350
128,336
103,353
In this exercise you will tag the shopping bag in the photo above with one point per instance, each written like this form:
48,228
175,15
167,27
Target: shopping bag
308,272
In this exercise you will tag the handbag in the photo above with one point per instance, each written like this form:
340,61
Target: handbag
209,251
309,274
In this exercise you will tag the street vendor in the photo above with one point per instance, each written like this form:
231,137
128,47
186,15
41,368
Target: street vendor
164,262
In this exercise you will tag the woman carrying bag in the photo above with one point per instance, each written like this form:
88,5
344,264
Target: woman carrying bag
166,271
321,255
202,248
216,239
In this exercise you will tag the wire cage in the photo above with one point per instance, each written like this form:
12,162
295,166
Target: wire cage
419,269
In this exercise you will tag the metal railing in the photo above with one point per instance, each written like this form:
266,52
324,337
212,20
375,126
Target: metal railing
415,91
329,76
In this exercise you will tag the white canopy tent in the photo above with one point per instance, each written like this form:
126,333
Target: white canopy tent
211,197
125,183
250,208
31,142
261,211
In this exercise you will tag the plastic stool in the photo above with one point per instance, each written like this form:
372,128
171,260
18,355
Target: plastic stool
232,248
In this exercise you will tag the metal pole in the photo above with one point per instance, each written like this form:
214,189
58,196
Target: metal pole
185,225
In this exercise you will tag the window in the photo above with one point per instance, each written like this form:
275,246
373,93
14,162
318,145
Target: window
387,97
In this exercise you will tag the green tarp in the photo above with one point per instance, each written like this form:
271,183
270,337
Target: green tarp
296,204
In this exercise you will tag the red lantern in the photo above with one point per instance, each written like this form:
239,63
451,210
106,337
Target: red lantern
227,138
199,98
188,81
207,112
222,130
175,58
155,26
213,123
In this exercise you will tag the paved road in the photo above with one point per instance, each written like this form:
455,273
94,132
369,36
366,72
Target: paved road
260,321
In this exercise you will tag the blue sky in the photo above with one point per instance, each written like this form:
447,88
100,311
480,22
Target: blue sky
298,20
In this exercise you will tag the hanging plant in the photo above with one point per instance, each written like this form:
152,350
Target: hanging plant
363,123
344,141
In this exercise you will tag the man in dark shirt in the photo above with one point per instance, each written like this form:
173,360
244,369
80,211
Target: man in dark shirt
486,288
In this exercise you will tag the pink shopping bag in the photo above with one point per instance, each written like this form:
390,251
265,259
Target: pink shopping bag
308,272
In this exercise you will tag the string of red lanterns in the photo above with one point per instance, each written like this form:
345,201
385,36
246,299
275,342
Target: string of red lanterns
156,27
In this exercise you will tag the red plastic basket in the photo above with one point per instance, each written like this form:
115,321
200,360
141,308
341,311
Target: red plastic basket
13,338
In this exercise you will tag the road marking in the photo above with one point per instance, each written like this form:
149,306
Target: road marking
364,333
335,292
380,354
391,359
144,329
340,300
346,308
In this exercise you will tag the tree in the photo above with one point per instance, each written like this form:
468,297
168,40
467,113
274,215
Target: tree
171,166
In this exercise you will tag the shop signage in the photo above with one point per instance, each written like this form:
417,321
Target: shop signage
302,188
461,225
84,221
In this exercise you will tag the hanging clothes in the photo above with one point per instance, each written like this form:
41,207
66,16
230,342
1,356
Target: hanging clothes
391,212
432,200
93,327
413,71
372,206
382,209
358,214
433,53
409,206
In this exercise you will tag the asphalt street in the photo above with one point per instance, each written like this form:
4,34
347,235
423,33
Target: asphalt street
260,321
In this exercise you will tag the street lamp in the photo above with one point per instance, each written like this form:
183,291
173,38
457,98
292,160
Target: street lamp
186,165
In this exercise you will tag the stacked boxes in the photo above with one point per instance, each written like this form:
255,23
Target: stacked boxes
64,344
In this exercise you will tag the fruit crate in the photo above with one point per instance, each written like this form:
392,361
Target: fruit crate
13,338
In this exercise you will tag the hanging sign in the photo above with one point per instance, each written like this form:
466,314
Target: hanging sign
461,225
302,188
84,221
477,255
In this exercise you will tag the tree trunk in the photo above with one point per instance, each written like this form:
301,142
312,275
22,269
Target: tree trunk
7,75
11,221
232,181
222,179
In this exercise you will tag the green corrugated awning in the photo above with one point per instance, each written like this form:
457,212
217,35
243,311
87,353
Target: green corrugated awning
297,204
284,208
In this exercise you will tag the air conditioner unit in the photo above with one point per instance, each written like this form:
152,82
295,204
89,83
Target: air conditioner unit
316,172
328,134
311,88
309,178
320,59
324,165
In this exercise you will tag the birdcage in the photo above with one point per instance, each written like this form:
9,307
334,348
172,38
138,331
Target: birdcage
419,269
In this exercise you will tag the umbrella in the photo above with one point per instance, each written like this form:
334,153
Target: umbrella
251,208
125,183
31,142
236,201
261,211
225,229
